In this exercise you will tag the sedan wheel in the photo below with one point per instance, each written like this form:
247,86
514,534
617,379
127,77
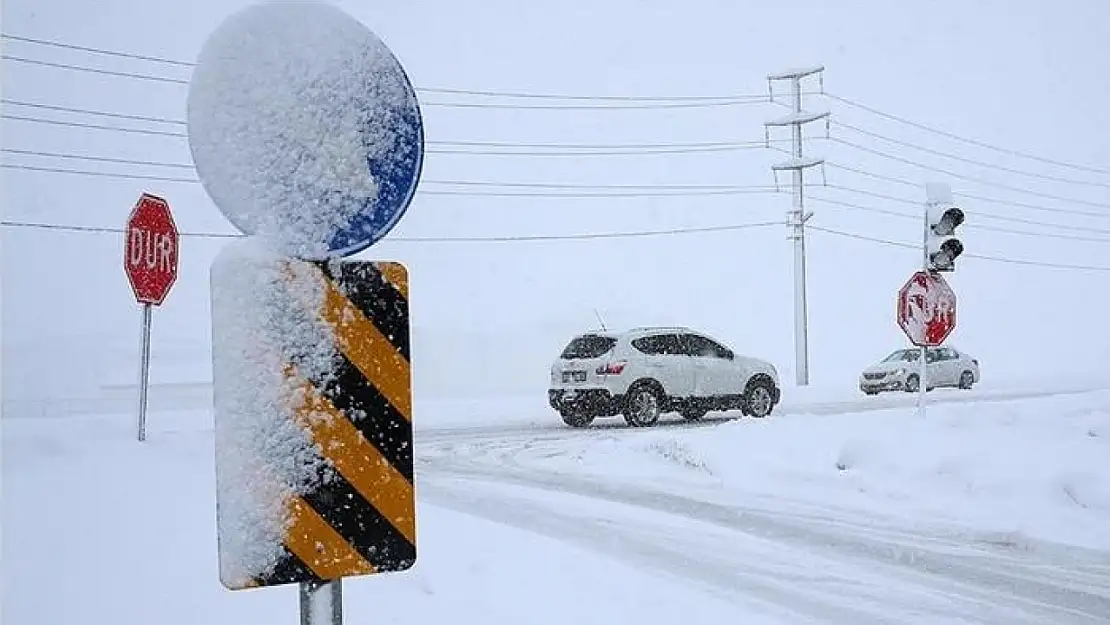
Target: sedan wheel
759,401
967,378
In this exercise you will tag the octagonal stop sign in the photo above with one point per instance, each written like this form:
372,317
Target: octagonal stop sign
927,309
150,249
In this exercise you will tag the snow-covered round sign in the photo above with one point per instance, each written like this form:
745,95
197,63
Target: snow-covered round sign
304,128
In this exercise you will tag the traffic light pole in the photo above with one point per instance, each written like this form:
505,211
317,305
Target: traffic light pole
923,380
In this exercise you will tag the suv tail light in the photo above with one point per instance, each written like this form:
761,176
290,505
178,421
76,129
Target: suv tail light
613,368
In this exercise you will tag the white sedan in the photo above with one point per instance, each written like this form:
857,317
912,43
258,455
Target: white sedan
901,371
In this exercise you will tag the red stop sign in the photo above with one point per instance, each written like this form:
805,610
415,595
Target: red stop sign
150,249
927,309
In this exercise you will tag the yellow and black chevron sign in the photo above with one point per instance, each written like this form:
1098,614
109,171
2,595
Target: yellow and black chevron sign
360,518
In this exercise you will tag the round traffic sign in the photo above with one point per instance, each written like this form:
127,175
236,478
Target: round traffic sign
304,128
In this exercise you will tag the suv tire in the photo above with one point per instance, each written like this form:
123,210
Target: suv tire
643,405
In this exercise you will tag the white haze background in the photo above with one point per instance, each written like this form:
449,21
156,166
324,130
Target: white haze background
488,317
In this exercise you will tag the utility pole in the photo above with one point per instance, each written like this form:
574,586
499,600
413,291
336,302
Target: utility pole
797,217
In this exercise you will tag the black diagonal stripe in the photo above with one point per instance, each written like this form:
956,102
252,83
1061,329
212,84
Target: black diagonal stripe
363,284
369,411
289,569
360,524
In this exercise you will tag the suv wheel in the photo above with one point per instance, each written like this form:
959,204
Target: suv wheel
642,406
759,399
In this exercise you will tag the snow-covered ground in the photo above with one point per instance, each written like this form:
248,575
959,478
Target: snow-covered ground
987,511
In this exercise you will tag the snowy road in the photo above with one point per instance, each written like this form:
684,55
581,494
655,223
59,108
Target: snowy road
784,555
827,570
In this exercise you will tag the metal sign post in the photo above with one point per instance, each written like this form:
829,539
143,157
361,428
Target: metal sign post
321,603
144,370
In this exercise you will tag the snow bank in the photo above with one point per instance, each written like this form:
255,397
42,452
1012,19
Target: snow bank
263,317
1037,468
289,105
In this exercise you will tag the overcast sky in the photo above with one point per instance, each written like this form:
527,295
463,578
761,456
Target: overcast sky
1025,76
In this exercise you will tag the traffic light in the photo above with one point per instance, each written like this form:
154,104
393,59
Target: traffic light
941,245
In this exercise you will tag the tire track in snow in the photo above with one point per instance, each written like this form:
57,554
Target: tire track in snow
1044,589
750,584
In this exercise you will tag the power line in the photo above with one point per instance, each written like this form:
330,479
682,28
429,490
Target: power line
999,259
57,122
654,104
575,237
614,148
576,153
500,239
95,70
754,97
960,176
971,196
969,161
589,191
103,174
893,213
974,142
69,46
981,213
440,90
591,107
69,109
89,157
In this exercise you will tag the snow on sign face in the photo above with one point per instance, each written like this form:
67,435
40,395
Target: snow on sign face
927,309
304,128
313,417
262,457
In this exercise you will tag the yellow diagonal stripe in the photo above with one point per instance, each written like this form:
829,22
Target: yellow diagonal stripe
359,461
395,274
321,547
368,349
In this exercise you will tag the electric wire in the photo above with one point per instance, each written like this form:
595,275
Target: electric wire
964,194
574,190
475,239
981,144
917,247
970,161
981,181
652,104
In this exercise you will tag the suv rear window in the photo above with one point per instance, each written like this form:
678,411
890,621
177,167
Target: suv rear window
589,346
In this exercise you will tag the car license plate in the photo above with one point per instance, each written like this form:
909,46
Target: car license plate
574,376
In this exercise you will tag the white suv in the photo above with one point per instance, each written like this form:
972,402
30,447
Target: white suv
645,372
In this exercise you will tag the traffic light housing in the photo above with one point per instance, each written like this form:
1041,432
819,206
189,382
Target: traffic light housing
941,245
